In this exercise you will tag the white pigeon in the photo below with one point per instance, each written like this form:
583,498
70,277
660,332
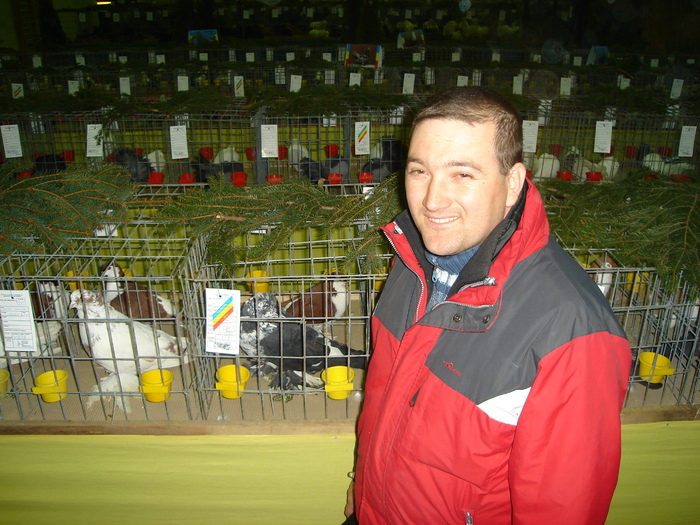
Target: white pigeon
123,346
132,298
52,300
576,163
664,165
227,154
157,160
605,276
296,152
545,166
608,167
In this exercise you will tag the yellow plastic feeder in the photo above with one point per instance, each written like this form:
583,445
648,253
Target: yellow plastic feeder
653,367
232,380
338,380
260,282
4,382
155,385
52,386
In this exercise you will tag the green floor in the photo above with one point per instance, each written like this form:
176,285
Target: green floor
260,480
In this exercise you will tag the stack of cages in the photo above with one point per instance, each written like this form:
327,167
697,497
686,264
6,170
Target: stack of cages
566,145
143,143
356,146
303,344
95,332
661,323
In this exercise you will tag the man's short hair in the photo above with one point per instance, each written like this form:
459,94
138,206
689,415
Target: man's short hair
478,105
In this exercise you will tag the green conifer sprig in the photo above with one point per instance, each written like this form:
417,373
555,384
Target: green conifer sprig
647,223
50,211
226,213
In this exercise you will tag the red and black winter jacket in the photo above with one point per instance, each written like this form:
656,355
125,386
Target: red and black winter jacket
502,404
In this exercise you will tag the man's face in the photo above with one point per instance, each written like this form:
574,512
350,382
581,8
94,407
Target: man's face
455,190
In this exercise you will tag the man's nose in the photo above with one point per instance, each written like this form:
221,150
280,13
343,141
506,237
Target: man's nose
436,195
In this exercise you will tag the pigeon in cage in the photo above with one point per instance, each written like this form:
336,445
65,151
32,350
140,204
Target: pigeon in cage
50,163
338,164
204,169
314,170
574,163
156,159
387,157
227,154
122,346
131,298
287,348
608,166
50,300
545,166
321,302
605,276
665,165
296,152
138,166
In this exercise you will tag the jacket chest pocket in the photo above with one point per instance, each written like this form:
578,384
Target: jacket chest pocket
446,431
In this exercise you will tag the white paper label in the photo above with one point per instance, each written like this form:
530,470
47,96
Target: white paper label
270,145
11,141
178,142
603,136
223,321
17,316
530,130
362,138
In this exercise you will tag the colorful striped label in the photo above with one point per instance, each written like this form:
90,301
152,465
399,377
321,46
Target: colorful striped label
222,313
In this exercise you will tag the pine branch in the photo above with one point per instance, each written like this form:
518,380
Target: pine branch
652,224
648,224
52,210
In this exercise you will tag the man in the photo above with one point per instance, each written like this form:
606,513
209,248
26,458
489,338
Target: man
498,371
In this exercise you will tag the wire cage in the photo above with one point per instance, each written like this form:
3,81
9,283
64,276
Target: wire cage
301,319
300,316
103,355
661,324
567,143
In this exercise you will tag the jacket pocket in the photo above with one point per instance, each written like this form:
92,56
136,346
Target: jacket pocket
446,431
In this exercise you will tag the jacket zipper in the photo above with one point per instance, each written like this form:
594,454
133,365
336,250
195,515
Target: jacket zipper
469,520
397,231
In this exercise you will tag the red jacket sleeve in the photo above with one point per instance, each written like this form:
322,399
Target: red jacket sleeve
566,453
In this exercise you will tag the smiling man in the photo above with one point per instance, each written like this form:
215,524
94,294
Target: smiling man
498,369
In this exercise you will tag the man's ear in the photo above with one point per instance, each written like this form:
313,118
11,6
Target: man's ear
516,179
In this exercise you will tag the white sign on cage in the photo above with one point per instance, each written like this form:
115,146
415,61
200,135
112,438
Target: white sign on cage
17,321
178,142
238,86
94,144
223,321
603,136
687,141
530,131
11,141
269,140
362,138
17,90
